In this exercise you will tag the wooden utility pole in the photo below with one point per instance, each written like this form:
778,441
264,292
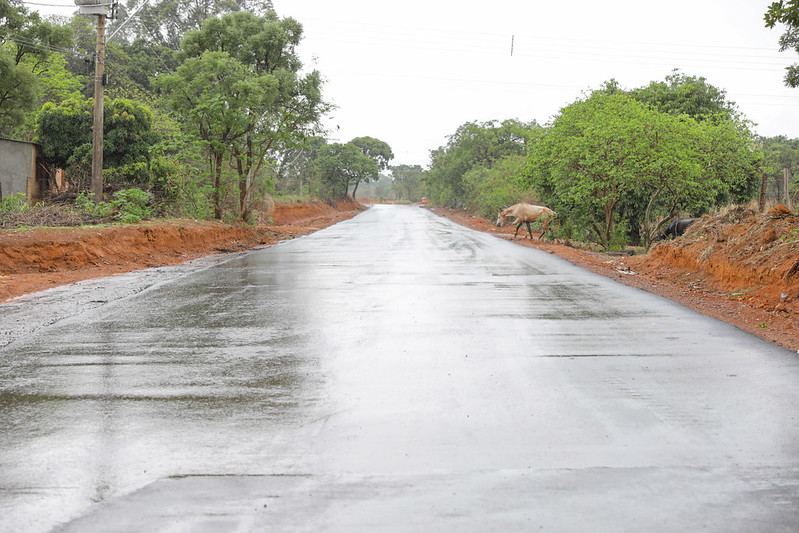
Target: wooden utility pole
97,127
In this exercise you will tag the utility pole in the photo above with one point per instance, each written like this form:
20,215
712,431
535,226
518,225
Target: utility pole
97,126
99,9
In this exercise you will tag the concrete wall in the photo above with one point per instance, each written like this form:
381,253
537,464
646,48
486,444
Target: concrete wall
18,168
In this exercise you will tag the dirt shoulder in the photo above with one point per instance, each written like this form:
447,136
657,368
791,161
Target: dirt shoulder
32,260
741,268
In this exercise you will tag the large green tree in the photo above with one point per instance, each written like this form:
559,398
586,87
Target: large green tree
407,181
589,158
375,149
342,166
609,160
215,94
63,128
291,105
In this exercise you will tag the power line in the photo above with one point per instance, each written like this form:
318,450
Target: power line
71,6
45,47
414,33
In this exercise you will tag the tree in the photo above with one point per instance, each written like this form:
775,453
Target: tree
63,128
295,170
144,62
408,181
165,22
490,189
65,132
618,167
342,166
129,138
26,44
786,12
670,176
589,158
374,149
473,145
781,153
215,93
291,105
18,93
26,35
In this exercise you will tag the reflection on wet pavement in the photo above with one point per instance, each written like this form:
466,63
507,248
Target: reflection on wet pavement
394,355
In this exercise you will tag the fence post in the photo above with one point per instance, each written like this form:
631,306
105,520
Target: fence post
763,187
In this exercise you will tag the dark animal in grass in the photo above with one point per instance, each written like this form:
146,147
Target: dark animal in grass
677,227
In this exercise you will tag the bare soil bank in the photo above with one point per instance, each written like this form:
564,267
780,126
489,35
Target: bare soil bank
32,260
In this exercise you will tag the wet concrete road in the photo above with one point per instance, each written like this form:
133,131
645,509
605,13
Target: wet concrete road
396,372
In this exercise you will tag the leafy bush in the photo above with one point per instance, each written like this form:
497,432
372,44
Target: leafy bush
85,204
491,189
15,203
132,205
129,206
193,199
132,173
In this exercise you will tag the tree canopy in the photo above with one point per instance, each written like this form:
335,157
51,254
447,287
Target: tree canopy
342,166
241,87
26,47
65,132
787,13
680,94
407,181
620,168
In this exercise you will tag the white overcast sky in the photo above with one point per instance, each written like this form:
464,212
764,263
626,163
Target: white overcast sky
410,72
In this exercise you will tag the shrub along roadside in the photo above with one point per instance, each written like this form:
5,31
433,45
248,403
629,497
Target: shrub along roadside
129,206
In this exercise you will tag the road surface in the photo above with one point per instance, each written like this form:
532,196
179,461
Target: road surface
394,372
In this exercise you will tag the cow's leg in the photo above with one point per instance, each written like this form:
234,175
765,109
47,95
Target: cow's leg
546,226
519,225
529,230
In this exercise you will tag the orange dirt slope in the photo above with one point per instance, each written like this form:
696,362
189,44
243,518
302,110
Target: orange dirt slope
35,259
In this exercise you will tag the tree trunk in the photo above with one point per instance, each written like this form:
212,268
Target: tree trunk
217,184
763,188
646,228
610,208
244,192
